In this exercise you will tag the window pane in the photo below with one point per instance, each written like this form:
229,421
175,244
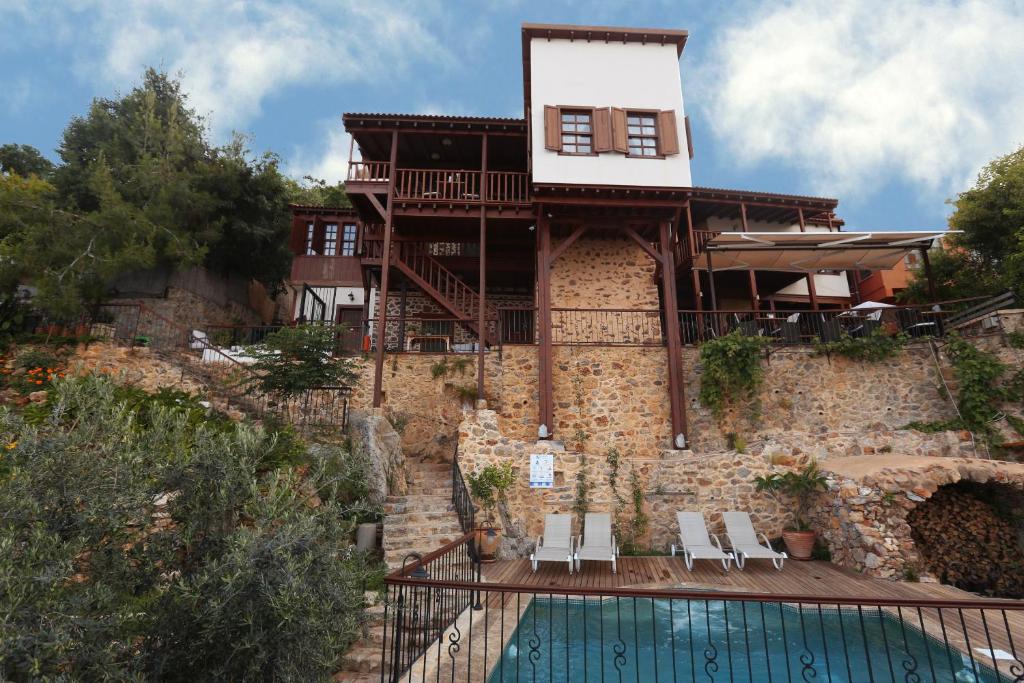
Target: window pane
650,152
633,120
568,117
583,149
648,130
583,128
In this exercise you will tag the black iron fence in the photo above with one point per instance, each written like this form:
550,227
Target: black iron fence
444,624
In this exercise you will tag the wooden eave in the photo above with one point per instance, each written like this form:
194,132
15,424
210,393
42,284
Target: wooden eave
426,123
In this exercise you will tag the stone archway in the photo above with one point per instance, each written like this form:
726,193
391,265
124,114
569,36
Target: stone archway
866,516
968,535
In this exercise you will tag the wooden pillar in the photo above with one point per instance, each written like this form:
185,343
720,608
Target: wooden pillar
545,385
482,333
385,268
711,281
694,273
929,276
670,306
754,301
812,292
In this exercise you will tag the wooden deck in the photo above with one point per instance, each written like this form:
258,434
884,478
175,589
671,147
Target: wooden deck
797,578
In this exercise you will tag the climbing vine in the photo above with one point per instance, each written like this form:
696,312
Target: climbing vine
581,504
732,370
875,347
981,392
580,436
639,522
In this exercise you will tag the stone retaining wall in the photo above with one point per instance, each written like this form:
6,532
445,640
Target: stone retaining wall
680,481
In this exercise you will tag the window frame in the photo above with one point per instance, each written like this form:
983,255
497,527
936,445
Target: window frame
576,111
348,246
330,239
656,137
309,249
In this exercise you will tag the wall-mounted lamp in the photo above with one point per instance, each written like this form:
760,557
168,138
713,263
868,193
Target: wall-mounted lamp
351,296
447,142
435,155
542,432
532,228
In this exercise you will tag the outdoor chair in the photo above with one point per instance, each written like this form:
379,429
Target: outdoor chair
868,324
748,328
831,330
597,541
696,544
555,544
913,325
745,543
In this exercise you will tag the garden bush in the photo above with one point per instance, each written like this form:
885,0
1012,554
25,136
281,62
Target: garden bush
137,542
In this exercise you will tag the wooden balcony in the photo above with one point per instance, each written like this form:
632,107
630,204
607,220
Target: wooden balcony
449,186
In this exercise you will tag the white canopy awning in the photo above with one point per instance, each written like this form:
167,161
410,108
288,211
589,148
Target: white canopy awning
811,252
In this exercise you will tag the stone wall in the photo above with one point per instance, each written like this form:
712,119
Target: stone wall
603,272
424,410
373,433
808,398
683,481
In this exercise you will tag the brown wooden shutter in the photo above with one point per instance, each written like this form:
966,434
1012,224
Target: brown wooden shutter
689,136
668,137
298,240
552,129
620,141
603,130
318,236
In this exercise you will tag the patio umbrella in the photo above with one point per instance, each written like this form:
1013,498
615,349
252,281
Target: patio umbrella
871,305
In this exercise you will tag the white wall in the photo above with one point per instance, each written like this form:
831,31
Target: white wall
334,297
599,74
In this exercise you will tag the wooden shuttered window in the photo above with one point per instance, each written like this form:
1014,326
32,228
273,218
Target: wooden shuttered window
297,244
318,236
552,129
620,141
603,130
689,136
668,136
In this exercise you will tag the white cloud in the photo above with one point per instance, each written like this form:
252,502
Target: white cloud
858,92
330,162
234,54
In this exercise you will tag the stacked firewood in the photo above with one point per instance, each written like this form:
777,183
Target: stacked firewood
966,543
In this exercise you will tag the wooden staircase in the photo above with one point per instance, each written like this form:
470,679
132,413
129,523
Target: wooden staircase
442,285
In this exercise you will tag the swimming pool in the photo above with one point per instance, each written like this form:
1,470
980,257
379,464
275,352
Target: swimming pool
579,641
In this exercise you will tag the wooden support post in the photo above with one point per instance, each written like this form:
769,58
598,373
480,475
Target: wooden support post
929,276
677,398
698,300
481,340
754,300
714,297
812,292
385,268
545,386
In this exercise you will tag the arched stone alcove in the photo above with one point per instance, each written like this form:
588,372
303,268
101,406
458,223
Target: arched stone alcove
968,535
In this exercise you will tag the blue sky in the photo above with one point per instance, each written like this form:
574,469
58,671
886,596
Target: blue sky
891,107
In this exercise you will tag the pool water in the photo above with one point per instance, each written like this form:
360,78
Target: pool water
716,641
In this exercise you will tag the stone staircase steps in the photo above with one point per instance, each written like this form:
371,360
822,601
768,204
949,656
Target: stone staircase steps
424,519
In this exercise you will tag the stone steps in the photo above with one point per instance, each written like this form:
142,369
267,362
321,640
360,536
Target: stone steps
424,519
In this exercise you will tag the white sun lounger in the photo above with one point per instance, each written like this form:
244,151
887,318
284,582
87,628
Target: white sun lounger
696,544
597,541
744,541
555,544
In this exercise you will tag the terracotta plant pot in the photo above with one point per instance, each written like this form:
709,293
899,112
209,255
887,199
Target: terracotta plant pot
800,544
488,539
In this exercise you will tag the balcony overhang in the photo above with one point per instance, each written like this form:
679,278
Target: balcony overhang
811,252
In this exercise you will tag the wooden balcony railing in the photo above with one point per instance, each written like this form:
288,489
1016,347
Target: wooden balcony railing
325,269
446,185
368,171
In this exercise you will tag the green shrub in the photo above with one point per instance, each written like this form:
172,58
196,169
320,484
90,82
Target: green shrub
138,543
293,360
732,369
875,347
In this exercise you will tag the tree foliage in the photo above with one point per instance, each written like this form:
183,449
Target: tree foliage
296,359
139,185
317,192
158,547
25,160
988,257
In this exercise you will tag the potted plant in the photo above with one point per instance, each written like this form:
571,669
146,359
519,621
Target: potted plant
488,487
800,486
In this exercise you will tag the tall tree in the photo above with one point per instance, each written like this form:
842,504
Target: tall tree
25,160
987,257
